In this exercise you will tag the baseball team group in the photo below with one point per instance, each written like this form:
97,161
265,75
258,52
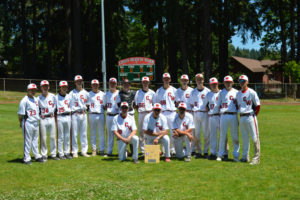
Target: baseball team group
174,118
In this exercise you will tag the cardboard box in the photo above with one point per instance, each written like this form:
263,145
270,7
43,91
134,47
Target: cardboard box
152,153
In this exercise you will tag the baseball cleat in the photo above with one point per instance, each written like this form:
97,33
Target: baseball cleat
85,155
173,154
45,158
55,158
206,155
187,159
225,158
68,156
254,162
136,161
212,157
168,159
198,155
62,157
193,153
101,153
75,155
94,153
28,163
40,160
244,160
219,159
236,160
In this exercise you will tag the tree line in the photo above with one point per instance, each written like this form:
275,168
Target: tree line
57,39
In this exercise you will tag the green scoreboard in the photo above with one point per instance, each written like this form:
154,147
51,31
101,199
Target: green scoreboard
135,68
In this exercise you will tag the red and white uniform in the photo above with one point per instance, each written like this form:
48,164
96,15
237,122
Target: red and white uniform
144,101
228,109
183,124
79,119
63,124
183,96
96,102
248,121
111,111
125,126
47,107
166,98
157,125
197,102
29,108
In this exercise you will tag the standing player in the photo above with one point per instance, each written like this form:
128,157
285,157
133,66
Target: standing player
214,118
111,111
79,98
47,105
143,103
29,121
183,126
183,93
96,104
165,96
126,95
124,128
63,121
247,99
196,101
228,110
155,127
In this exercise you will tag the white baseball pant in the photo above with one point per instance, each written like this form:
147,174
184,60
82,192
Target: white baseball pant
79,123
48,125
201,121
170,119
141,131
110,134
178,143
97,125
248,124
214,127
229,121
122,148
63,134
31,140
164,141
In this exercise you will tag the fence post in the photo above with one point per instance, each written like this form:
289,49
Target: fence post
4,86
285,84
56,86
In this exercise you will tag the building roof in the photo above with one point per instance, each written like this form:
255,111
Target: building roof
268,63
252,64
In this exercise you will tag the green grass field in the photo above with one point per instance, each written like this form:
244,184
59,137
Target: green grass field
277,177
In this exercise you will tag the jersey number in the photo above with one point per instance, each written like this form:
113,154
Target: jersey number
45,110
32,112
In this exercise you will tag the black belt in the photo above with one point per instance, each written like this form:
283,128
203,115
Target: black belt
95,113
190,111
246,114
145,112
109,114
201,111
211,115
64,114
78,112
169,111
46,116
229,113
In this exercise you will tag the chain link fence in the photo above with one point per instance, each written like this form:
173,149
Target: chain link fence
265,91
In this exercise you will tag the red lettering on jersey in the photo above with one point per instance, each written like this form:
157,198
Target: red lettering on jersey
195,103
230,97
224,105
158,126
170,95
141,105
187,96
148,98
76,104
92,105
217,98
114,98
98,98
66,102
211,106
120,132
61,110
45,110
202,96
126,125
50,103
32,112
163,102
109,105
184,125
246,101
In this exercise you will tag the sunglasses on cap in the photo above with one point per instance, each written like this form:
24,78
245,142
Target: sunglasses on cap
156,110
242,81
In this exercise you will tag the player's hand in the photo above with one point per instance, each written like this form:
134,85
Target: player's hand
175,134
191,138
155,141
155,134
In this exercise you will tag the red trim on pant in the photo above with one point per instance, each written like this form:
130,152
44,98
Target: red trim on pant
40,133
257,139
56,131
24,138
71,136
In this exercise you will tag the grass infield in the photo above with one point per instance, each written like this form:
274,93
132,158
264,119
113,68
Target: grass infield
277,177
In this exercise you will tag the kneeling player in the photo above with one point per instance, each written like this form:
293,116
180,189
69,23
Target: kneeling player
155,128
183,126
124,128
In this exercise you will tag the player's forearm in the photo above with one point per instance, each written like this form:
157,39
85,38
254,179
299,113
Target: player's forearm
148,132
133,133
118,135
162,134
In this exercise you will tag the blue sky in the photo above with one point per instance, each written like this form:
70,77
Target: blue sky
237,42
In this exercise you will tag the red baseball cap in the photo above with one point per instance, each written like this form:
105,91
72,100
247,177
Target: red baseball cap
157,106
63,83
44,82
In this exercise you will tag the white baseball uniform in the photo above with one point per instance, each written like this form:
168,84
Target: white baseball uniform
111,111
29,108
63,124
166,98
144,101
79,119
183,96
183,124
124,126
96,102
248,121
47,107
196,101
157,125
228,110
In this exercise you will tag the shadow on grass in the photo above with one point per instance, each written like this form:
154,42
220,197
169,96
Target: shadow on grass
16,160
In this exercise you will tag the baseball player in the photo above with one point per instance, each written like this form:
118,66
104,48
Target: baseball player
196,101
143,101
165,96
155,127
126,95
78,102
247,99
63,121
96,102
29,121
124,128
214,118
183,126
111,111
47,105
228,109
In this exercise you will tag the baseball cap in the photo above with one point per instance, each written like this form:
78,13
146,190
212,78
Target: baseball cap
44,82
94,81
63,83
182,105
156,106
243,77
113,80
199,75
78,77
31,86
166,75
213,80
145,78
126,81
228,79
124,104
184,76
